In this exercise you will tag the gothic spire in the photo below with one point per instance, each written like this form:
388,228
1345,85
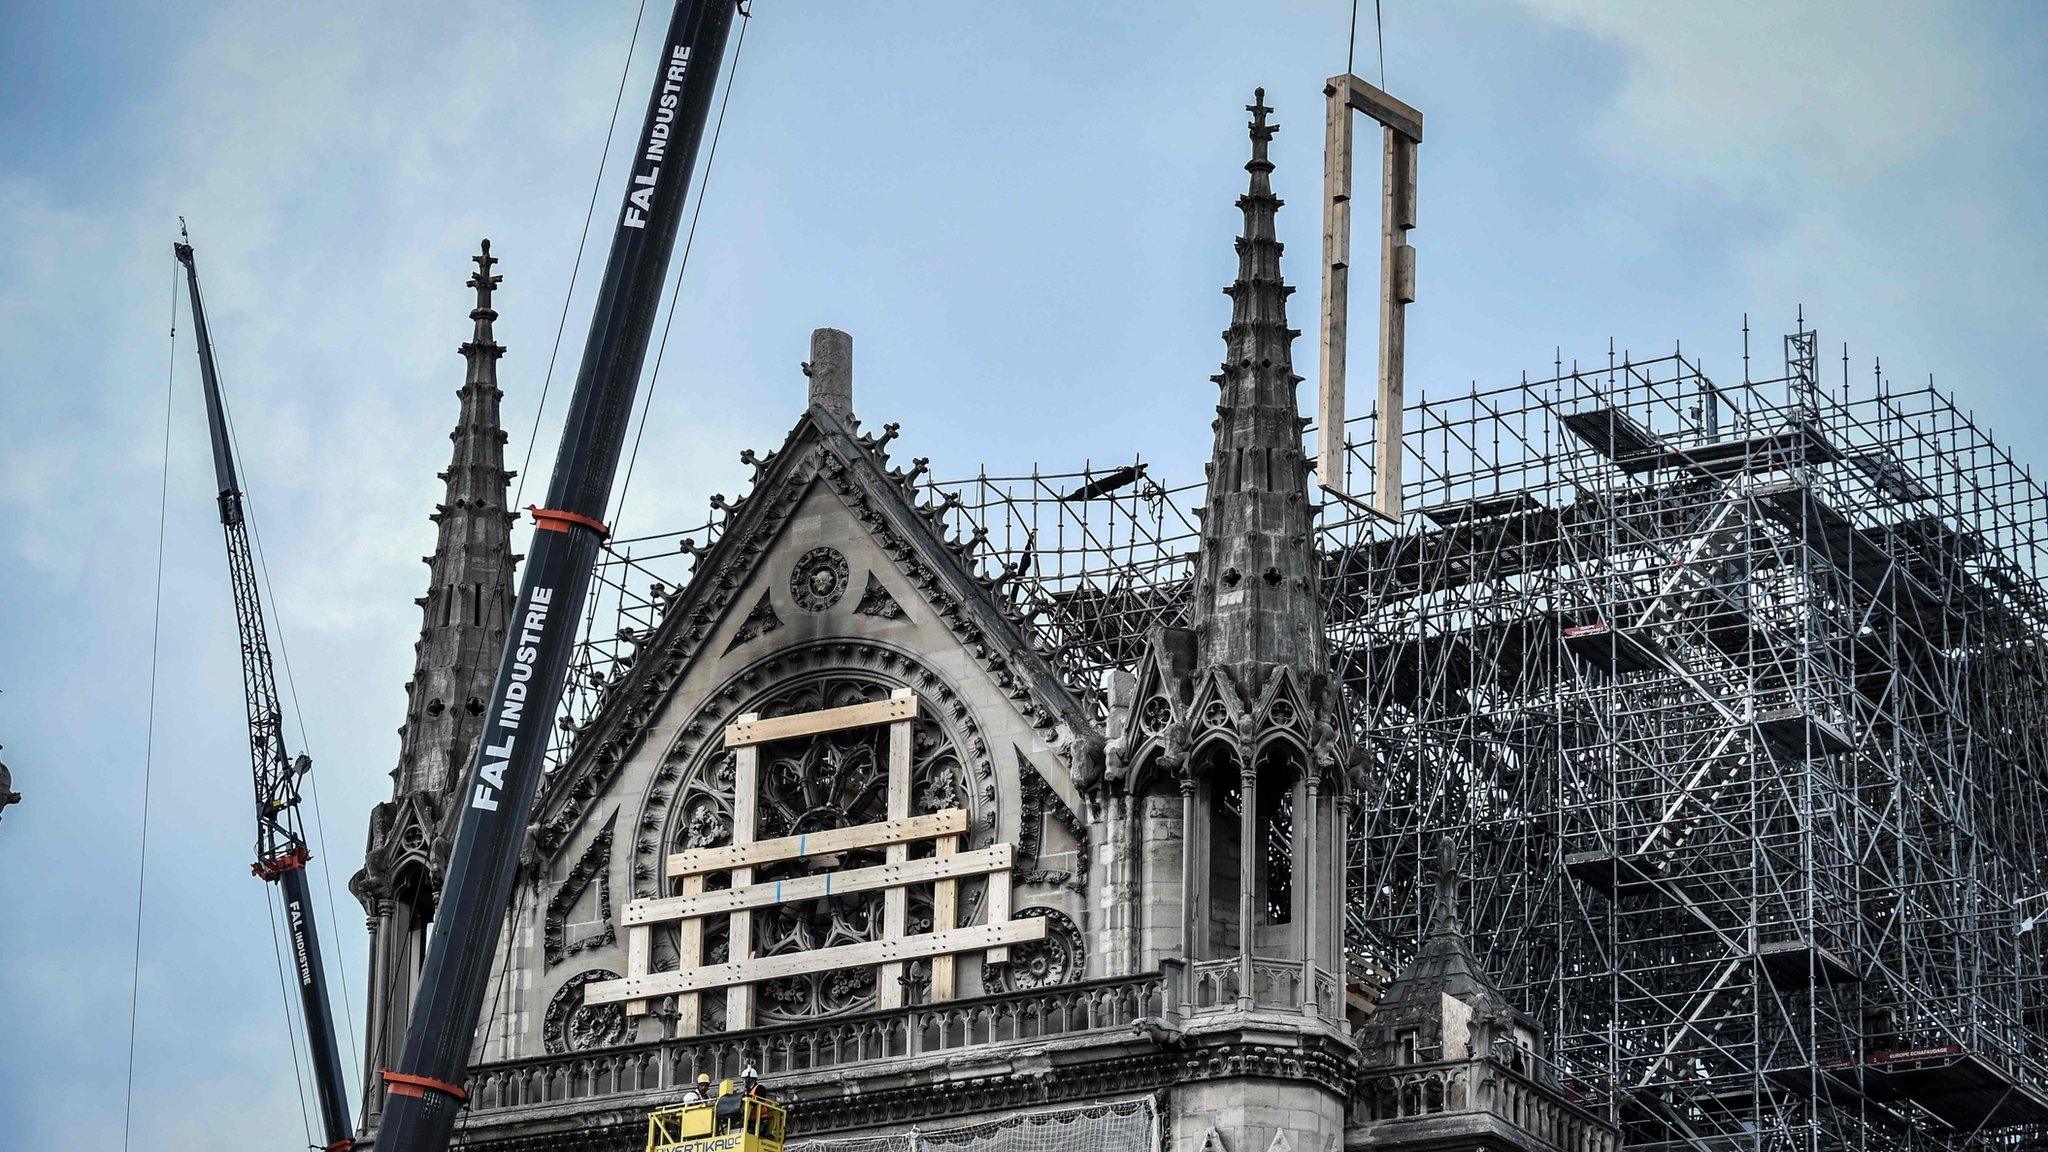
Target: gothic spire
469,591
1255,592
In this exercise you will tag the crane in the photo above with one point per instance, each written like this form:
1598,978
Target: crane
425,1091
281,851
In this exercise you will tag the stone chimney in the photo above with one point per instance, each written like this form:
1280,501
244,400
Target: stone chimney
831,371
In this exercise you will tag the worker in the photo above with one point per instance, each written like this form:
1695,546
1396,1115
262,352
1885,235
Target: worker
751,1081
700,1092
731,1114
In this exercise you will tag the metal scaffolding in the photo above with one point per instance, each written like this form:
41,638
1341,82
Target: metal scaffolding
1736,695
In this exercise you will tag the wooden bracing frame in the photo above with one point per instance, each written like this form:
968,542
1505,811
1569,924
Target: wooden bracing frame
742,971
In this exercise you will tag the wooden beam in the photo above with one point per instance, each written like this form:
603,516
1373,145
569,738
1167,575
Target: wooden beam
945,915
639,955
942,868
1330,385
739,935
727,856
1397,291
689,954
896,901
998,912
1396,115
742,732
816,960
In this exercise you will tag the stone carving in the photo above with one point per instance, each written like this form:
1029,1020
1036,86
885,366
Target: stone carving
406,832
573,1026
761,621
875,601
1154,715
819,579
1059,958
594,866
1039,803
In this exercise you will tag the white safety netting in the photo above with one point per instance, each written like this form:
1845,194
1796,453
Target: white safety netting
1128,1126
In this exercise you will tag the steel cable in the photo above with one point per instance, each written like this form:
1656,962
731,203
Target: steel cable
149,725
589,214
675,288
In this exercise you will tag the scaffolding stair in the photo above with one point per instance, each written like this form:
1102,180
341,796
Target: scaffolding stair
1801,964
1799,736
1616,649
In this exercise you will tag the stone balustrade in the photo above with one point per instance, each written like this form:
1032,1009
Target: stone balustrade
1215,985
1032,1015
1512,1085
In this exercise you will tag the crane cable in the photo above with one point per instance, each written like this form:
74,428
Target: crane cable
589,214
704,186
291,1032
675,288
569,294
284,656
497,997
1379,35
149,725
296,1031
1379,32
312,780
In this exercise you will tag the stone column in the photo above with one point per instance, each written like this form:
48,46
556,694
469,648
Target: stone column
1247,873
1191,908
373,1020
1308,884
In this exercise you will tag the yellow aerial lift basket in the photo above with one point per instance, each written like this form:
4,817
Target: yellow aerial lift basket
731,1122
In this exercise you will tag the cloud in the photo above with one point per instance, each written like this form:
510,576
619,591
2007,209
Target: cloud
1754,96
1868,162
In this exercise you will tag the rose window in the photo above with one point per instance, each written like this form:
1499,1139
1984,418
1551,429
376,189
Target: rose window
812,784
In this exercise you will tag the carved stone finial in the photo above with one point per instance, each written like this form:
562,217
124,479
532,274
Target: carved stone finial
1444,919
1262,131
482,280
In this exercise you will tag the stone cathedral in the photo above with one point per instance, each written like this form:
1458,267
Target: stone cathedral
844,821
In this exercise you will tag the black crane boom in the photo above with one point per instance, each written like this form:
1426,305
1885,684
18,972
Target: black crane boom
281,852
425,1090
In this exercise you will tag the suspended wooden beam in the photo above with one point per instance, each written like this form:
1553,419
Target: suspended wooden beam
1403,131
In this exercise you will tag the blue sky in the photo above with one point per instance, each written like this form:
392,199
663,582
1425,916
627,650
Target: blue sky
1023,214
